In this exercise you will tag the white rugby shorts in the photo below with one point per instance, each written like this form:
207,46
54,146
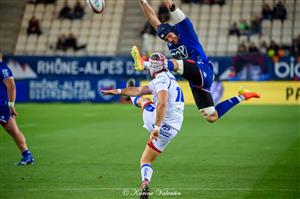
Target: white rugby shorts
167,133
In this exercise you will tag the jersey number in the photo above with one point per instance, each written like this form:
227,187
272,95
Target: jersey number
179,97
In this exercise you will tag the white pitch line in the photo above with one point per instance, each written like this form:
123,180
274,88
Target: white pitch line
28,125
177,188
89,114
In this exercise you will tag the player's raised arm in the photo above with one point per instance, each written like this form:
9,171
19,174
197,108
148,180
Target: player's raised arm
149,13
129,91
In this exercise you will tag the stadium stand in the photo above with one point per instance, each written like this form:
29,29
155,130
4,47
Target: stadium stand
213,21
10,16
99,32
102,33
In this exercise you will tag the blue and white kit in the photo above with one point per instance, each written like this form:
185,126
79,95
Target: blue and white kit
193,63
5,73
173,119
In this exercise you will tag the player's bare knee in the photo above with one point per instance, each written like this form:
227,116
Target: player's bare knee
209,113
211,119
146,100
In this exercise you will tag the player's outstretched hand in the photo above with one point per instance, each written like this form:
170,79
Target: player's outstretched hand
154,135
110,92
169,3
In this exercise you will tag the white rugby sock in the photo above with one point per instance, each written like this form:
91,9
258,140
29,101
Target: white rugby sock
146,172
134,100
240,98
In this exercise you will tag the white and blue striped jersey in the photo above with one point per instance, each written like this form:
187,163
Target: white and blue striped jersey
175,107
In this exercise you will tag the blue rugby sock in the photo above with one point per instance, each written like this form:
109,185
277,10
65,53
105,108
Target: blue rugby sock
226,105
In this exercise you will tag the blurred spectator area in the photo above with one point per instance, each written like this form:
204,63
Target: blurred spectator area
212,23
100,32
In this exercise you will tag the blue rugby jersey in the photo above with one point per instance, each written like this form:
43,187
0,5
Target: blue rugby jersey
5,73
188,46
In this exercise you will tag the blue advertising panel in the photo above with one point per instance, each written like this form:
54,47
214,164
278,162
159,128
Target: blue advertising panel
286,69
39,66
66,90
70,79
77,79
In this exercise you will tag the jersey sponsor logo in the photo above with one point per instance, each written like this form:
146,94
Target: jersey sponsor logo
5,73
106,84
164,131
180,53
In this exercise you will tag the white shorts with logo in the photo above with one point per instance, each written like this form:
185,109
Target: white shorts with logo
167,133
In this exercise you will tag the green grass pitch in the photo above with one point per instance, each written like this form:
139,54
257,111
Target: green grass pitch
92,151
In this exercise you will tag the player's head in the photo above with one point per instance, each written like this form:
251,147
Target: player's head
157,63
167,32
1,56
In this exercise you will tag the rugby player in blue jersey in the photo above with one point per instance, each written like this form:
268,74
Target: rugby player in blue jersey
190,61
8,112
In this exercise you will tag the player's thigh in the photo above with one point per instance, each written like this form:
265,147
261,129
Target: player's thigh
166,135
11,126
5,119
192,73
202,97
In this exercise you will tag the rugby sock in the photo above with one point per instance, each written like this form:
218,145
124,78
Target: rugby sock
226,105
134,100
146,172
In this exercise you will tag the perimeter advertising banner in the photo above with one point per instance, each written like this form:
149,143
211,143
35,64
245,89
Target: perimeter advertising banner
272,93
69,90
77,79
70,79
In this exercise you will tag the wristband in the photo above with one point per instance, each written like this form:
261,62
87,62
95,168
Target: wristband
143,2
157,128
11,104
119,91
177,15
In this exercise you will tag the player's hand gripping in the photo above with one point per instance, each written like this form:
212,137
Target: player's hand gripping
154,135
12,111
